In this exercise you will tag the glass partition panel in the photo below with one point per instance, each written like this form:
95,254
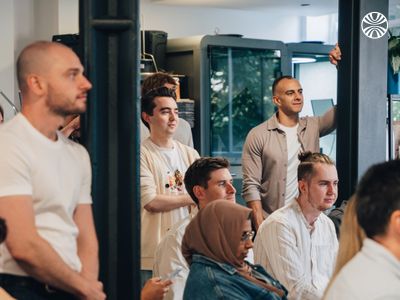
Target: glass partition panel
241,96
394,128
318,79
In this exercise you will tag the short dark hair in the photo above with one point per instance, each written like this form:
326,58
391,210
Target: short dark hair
279,79
148,103
156,80
378,196
1,112
199,173
305,170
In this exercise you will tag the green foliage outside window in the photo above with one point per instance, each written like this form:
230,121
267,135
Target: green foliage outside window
241,96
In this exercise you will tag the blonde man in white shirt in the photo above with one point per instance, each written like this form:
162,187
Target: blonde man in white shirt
297,244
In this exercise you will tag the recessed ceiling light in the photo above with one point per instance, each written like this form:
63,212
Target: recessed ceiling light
303,60
305,4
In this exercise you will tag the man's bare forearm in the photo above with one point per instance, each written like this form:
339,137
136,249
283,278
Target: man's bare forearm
90,262
258,218
162,203
87,243
36,256
40,261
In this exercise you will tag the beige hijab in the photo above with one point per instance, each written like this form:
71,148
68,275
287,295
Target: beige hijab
216,232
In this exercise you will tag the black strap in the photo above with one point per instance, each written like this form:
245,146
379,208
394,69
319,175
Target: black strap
12,281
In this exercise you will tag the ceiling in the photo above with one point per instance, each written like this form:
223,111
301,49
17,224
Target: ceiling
281,7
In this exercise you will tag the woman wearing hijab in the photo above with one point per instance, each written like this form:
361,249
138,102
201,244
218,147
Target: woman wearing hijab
215,245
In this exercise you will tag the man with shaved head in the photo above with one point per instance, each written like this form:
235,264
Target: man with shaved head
51,251
270,153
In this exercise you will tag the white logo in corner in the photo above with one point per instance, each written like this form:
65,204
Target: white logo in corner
374,25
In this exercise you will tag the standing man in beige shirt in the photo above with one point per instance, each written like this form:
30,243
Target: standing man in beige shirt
269,158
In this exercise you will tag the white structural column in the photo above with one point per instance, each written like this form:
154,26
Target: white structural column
7,54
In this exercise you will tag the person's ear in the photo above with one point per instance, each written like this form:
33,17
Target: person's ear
36,84
276,100
146,117
198,191
302,186
395,221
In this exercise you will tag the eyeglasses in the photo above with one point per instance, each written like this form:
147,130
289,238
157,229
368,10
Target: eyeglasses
248,235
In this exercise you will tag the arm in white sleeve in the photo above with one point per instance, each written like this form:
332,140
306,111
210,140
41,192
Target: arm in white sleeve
168,258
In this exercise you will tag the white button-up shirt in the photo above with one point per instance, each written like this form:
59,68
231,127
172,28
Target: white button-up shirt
169,256
301,257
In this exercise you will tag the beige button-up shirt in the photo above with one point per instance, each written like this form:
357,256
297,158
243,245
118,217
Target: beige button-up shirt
265,157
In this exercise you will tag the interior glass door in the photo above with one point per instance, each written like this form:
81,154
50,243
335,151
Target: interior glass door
318,78
240,98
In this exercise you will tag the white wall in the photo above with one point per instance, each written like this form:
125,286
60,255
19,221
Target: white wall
68,16
187,21
318,81
24,24
7,54
34,20
322,28
25,21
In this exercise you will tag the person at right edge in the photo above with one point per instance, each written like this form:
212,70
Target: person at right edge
270,152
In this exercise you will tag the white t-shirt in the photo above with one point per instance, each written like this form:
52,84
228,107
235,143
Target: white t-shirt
293,148
175,171
158,176
56,174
